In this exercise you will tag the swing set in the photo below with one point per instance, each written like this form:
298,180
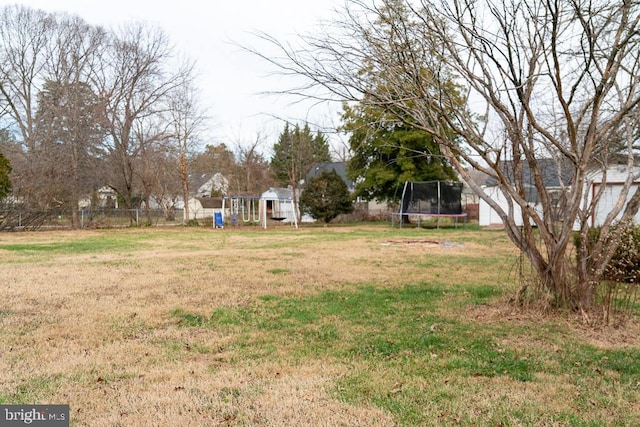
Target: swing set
245,208
255,210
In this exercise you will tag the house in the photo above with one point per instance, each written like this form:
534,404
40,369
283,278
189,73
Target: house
103,197
208,184
203,189
339,167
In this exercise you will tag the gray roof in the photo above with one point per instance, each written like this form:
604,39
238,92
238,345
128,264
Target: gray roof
554,175
197,180
210,202
339,167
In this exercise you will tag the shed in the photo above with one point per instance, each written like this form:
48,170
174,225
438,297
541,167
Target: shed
615,179
204,207
279,205
556,179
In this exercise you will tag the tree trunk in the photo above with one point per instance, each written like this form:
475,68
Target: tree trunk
184,177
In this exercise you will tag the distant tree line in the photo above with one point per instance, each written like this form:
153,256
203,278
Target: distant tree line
83,107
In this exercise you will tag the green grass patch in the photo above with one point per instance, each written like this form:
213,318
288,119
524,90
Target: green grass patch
411,353
33,389
103,243
188,319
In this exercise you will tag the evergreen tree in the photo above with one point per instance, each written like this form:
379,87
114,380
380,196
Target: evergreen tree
71,130
296,151
387,153
326,196
5,182
389,147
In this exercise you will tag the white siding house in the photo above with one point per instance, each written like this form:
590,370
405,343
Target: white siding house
202,202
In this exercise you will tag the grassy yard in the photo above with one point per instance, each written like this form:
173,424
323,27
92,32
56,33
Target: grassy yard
329,326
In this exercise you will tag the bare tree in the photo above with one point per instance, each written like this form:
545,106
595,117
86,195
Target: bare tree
24,35
555,80
253,173
24,52
49,105
167,188
152,136
186,121
214,158
135,81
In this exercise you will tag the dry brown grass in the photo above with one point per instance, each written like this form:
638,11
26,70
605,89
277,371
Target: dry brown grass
94,329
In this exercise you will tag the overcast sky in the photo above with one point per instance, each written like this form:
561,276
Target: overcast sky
231,80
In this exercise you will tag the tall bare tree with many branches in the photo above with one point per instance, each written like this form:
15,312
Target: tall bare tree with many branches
49,106
187,120
136,81
554,79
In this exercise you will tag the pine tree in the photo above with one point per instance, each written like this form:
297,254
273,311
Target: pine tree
5,182
296,151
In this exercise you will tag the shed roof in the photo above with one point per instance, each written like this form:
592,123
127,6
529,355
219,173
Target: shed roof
278,193
554,174
210,202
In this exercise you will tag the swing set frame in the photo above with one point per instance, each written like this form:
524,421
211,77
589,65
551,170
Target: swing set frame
254,209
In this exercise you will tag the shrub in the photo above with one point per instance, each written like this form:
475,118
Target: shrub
625,263
326,196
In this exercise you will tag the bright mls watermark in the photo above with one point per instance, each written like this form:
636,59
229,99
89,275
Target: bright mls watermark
34,415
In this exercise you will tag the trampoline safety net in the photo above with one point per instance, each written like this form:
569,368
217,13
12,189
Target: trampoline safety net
432,197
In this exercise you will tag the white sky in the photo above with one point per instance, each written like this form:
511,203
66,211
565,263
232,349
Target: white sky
230,80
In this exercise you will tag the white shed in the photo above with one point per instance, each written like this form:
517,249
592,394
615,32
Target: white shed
280,205
204,207
613,186
554,181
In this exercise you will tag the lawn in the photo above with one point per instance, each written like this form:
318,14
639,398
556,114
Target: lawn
320,326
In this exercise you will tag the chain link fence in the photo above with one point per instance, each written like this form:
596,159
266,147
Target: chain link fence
22,219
